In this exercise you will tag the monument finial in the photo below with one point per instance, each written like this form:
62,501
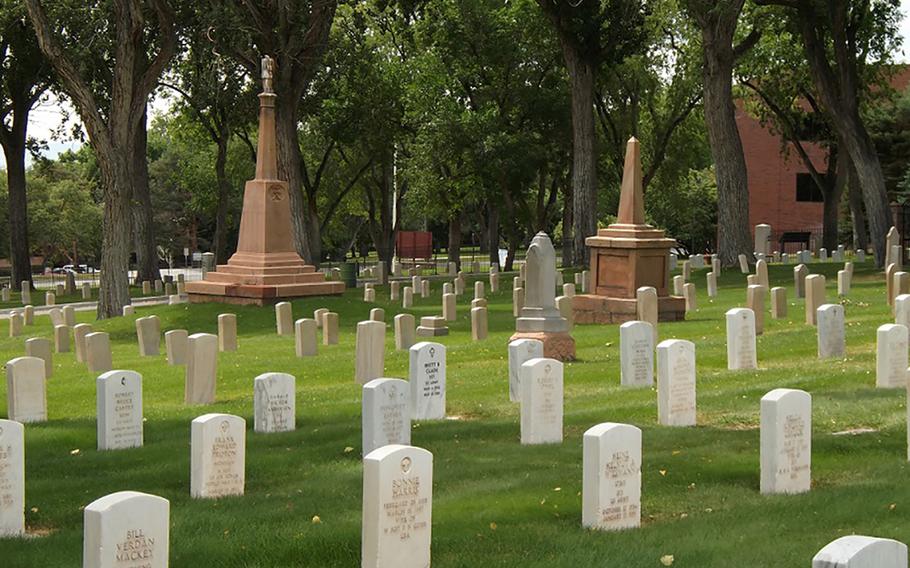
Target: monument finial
631,198
268,71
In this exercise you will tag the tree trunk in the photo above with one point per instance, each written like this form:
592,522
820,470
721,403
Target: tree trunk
115,246
733,235
289,168
837,82
869,175
567,220
510,256
493,232
858,215
146,244
224,191
454,247
831,215
584,159
20,253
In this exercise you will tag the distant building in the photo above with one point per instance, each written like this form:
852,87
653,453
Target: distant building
781,191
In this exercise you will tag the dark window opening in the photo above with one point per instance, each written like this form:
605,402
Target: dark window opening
807,190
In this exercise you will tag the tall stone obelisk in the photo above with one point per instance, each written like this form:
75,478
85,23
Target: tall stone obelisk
266,267
626,256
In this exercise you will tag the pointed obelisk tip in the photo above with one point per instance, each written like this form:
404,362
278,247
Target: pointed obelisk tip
631,198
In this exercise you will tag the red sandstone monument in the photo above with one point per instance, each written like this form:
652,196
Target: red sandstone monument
266,267
627,255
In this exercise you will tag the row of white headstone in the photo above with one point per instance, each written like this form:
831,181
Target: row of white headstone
132,528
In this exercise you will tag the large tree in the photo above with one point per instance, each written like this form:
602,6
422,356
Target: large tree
24,77
592,34
132,42
718,21
295,33
839,37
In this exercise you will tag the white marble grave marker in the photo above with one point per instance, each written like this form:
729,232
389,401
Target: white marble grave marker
636,354
386,414
786,441
201,368
274,403
741,349
369,351
611,485
676,397
397,507
831,340
127,529
218,456
855,551
12,479
427,377
119,408
891,359
520,351
541,401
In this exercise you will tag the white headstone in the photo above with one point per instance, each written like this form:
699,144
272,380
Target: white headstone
148,332
227,332
26,390
386,414
520,351
126,530
274,403
41,348
397,507
647,307
369,351
98,352
712,284
741,350
857,551
611,486
305,340
541,401
218,456
427,376
12,479
201,368
636,354
676,400
891,357
79,333
284,318
786,441
119,408
831,340
404,331
175,343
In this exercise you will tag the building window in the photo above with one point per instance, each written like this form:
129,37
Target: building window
807,190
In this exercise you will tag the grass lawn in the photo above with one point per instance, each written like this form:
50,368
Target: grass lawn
496,503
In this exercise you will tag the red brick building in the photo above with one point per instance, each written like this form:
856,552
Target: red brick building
781,192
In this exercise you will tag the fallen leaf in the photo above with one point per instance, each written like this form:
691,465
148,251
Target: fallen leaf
492,526
348,449
317,520
663,472
74,452
667,560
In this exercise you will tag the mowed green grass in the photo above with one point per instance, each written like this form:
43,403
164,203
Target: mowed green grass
496,503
